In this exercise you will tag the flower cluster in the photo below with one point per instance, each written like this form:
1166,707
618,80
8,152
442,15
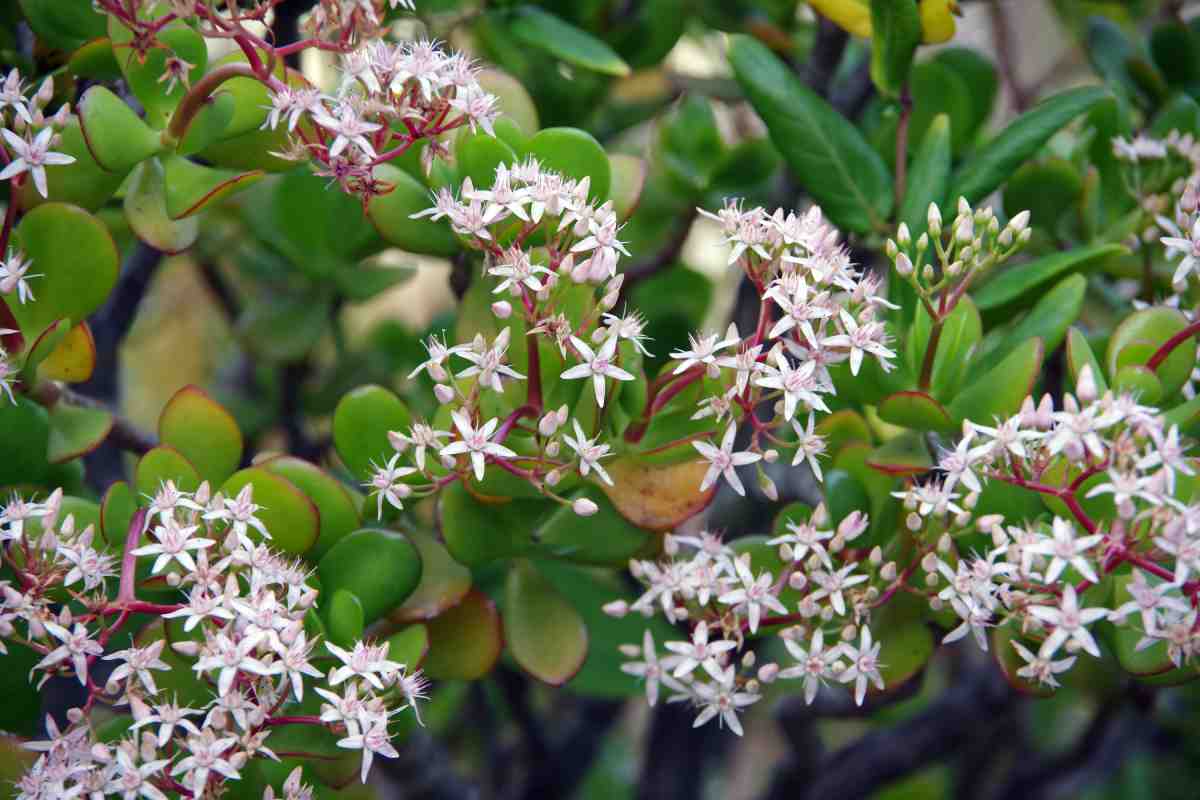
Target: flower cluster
717,591
1035,575
391,95
350,20
29,134
241,632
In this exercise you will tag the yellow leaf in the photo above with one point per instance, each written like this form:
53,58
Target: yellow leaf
655,497
73,360
937,20
853,16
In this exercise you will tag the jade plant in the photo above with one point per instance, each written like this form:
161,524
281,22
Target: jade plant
943,388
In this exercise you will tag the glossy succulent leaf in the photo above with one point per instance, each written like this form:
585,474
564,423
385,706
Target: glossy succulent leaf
576,154
190,187
826,152
345,619
163,464
361,423
392,213
464,641
915,410
512,99
843,428
906,642
288,515
980,76
543,631
476,156
657,498
901,455
381,568
203,432
844,494
25,431
209,125
538,28
1023,137
77,260
937,89
1017,282
84,183
63,25
628,181
115,135
146,211
408,646
1048,189
1079,354
927,179
117,511
605,538
476,532
956,345
76,431
444,582
1140,334
41,348
337,510
999,392
73,359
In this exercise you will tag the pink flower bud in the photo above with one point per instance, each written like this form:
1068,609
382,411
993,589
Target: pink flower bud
1085,386
443,393
767,673
904,265
548,424
617,608
584,507
502,309
397,441
852,525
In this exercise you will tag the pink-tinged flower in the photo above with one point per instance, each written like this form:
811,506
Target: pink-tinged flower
32,157
364,661
1185,245
420,437
589,453
704,351
517,270
131,780
1065,550
202,603
387,483
205,756
167,717
476,442
814,664
810,445
229,658
700,652
805,538
833,584
1039,668
488,362
1070,622
870,337
438,354
348,127
293,661
77,646
14,276
174,543
374,739
798,384
722,461
800,309
1148,600
752,594
138,661
976,619
722,701
240,514
649,669
864,665
597,365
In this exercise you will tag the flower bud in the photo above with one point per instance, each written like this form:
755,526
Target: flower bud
890,249
670,545
45,92
1005,238
630,650
945,543
502,309
797,581
768,486
927,273
903,235
553,477
584,507
1085,386
913,521
1020,222
904,265
934,220
929,562
548,424
771,456
767,673
438,373
876,556
954,269
448,461
923,242
397,441
749,659
888,571
1024,237
443,393
852,525
552,448
617,608
931,580
186,648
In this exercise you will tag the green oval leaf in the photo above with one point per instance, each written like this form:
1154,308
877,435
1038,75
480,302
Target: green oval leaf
116,136
544,632
289,516
164,464
577,155
1140,334
1048,320
25,431
190,187
895,34
77,260
391,213
915,410
833,161
146,211
465,641
344,618
336,509
381,568
444,582
605,538
203,432
361,423
76,431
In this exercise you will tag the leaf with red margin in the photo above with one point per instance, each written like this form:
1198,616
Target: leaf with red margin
546,635
76,431
74,359
465,641
203,431
658,498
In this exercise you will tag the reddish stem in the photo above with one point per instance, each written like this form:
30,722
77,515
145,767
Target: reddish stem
128,559
1165,349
